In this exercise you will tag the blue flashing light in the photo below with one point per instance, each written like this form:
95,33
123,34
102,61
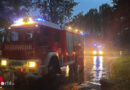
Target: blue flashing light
95,44
38,19
82,33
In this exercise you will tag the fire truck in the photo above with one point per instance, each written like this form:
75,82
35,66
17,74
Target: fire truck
36,46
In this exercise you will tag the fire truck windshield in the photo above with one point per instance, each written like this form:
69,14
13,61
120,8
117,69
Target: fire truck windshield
19,36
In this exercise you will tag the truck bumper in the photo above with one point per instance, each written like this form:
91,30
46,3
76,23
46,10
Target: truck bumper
19,66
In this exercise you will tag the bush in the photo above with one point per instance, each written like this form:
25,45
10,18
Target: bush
120,73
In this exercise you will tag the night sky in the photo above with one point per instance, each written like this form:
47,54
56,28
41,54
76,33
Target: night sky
86,5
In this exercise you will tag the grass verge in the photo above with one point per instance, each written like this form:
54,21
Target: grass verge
120,73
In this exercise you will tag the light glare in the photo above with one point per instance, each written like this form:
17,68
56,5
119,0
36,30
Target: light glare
94,52
38,19
4,62
32,64
30,21
69,28
100,52
76,30
19,22
22,22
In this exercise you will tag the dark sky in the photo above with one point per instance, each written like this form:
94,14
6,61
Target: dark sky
86,5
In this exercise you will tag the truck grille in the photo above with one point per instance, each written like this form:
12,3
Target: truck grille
15,63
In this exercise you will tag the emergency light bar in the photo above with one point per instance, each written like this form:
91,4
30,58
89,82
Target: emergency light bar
38,19
35,22
70,29
22,22
30,21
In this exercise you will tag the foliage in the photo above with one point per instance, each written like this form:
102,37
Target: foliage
78,20
110,24
13,8
106,13
94,22
121,14
56,10
121,72
52,10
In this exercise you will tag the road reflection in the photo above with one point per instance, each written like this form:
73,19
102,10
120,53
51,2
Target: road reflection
97,68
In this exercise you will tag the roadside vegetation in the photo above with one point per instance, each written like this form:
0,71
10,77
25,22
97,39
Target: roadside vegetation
109,24
120,73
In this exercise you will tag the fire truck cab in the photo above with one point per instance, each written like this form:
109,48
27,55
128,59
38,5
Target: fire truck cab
39,47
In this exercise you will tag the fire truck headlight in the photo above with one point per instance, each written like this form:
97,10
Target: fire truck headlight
32,64
94,52
100,52
3,62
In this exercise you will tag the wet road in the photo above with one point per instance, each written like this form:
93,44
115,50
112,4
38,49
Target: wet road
95,67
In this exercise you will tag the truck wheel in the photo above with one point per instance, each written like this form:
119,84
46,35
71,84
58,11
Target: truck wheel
54,67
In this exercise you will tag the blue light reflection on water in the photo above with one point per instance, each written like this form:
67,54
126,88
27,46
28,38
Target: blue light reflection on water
97,67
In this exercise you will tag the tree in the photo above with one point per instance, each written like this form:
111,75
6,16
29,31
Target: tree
92,19
78,21
10,9
106,14
121,13
96,23
56,10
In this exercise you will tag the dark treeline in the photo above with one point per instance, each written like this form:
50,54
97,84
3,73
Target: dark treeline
110,23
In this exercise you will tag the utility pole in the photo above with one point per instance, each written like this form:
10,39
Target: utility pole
63,24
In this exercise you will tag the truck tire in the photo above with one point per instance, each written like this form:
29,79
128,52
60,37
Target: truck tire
54,66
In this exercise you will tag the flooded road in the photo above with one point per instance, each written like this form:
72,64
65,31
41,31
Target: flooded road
95,68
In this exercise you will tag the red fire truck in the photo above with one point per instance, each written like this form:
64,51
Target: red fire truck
38,47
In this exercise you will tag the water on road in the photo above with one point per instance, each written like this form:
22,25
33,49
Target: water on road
95,68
